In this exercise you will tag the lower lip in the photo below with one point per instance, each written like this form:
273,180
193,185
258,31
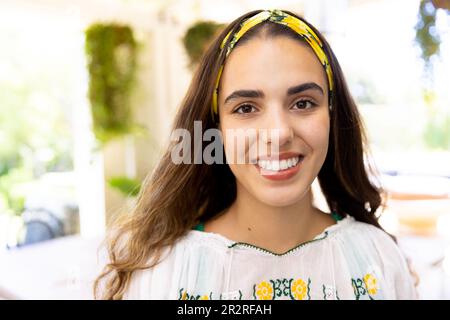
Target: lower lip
280,175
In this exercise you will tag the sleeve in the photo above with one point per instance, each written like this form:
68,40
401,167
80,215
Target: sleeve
395,266
153,283
139,287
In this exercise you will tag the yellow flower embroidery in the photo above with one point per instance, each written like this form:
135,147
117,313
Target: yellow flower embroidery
205,297
371,284
184,296
299,289
264,291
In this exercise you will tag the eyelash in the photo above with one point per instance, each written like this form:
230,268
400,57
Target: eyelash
313,104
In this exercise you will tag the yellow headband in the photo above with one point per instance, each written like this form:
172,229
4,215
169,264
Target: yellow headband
280,17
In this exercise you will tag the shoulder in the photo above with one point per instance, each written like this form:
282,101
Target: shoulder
371,243
159,281
366,238
369,232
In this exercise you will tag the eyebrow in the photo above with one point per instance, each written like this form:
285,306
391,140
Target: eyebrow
244,94
259,94
304,87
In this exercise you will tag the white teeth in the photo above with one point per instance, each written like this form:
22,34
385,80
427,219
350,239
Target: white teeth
275,165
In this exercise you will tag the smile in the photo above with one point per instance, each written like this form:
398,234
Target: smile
279,169
277,165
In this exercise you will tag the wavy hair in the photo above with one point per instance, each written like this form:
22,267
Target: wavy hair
167,208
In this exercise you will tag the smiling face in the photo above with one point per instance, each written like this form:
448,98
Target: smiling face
276,84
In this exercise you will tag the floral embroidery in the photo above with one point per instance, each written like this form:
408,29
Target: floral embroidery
184,295
365,286
296,289
264,291
299,289
358,288
371,284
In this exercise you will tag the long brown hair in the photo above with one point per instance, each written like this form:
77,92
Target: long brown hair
177,196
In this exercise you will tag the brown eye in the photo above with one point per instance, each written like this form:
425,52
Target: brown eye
305,104
245,108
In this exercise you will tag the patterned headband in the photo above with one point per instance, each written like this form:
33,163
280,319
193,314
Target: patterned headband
280,17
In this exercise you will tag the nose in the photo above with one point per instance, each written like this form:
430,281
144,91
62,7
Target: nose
278,126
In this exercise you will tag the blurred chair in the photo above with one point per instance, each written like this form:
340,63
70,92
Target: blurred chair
41,225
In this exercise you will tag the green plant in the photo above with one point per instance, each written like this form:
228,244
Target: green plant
127,186
427,35
11,199
197,38
111,53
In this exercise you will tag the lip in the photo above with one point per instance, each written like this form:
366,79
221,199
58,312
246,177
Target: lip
282,174
281,156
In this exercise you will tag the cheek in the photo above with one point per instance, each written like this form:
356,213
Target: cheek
315,132
236,141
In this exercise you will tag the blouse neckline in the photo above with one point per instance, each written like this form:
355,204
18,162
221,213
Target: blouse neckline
232,244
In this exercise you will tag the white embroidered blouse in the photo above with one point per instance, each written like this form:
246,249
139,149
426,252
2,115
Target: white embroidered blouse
348,260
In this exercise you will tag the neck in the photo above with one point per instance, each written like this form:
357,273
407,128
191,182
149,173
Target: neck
275,228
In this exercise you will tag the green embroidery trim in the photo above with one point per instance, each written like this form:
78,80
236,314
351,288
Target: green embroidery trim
277,292
200,227
277,254
336,216
189,296
358,288
309,289
287,287
336,296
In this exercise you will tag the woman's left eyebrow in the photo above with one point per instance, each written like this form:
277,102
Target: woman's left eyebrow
303,87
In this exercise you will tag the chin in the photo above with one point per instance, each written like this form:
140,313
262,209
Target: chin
281,198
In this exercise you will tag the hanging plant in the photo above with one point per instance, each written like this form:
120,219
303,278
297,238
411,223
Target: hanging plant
111,54
427,35
197,38
129,187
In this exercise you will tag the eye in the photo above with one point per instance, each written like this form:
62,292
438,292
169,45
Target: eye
305,104
245,108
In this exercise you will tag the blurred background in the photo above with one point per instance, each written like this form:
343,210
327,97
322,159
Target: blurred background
88,90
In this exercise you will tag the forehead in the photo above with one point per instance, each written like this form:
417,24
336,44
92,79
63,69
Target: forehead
275,63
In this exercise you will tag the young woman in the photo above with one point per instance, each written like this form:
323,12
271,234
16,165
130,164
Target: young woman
250,230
